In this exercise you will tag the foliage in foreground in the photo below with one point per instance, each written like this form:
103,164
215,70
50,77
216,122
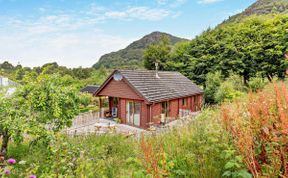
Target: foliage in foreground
37,111
201,149
259,128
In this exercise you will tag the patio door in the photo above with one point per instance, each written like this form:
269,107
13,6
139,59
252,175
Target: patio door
133,111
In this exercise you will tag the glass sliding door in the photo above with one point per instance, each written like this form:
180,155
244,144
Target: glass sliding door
137,108
133,113
129,112
165,108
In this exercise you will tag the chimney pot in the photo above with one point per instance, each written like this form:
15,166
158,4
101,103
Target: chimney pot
156,71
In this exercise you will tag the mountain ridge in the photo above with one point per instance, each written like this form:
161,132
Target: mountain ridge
261,7
131,57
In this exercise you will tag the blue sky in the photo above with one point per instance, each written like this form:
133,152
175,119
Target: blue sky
77,32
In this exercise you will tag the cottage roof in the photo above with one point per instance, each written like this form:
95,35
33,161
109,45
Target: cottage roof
89,89
168,85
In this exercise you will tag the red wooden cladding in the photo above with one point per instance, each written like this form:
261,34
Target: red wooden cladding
174,108
149,112
144,116
119,89
193,104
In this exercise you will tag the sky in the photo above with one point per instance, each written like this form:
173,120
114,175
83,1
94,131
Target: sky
77,33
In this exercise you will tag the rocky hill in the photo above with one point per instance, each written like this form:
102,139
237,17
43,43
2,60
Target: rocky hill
132,55
261,7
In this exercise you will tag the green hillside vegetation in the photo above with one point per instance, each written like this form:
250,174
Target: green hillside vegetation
254,47
80,76
132,56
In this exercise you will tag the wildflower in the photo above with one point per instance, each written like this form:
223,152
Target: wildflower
11,161
22,162
32,176
7,172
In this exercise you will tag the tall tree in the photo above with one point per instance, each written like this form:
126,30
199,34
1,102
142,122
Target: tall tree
157,53
41,108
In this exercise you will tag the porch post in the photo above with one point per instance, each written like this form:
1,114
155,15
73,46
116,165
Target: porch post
101,107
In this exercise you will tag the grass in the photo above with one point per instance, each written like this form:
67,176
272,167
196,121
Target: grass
199,149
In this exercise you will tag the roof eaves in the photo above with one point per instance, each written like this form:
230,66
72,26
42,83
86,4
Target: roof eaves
104,84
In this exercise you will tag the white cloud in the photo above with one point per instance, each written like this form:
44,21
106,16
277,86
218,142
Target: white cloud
69,38
140,13
63,38
208,1
180,2
161,2
70,49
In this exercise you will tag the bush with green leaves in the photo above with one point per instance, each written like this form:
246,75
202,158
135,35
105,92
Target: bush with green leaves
227,92
212,84
257,83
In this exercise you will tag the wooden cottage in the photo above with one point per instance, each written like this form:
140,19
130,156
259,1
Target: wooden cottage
140,98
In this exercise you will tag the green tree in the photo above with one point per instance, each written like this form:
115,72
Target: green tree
253,46
212,84
39,109
13,117
53,100
157,53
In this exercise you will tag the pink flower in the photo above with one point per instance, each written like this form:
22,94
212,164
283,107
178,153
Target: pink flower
7,172
11,161
32,176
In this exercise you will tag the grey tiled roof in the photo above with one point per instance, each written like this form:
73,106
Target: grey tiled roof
89,89
170,84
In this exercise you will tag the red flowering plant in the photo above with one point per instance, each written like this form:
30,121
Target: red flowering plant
259,128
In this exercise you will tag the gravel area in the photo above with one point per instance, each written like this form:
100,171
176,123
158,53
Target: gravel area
103,126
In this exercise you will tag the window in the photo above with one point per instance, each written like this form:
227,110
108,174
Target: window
184,102
115,101
165,108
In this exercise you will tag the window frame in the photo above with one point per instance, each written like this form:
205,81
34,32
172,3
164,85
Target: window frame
184,101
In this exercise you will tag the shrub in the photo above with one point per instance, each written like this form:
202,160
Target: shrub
227,92
212,84
199,149
256,83
85,99
259,127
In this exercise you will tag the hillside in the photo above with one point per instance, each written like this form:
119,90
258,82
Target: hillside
262,7
131,56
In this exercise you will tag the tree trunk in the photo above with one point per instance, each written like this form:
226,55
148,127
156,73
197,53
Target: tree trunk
5,140
246,79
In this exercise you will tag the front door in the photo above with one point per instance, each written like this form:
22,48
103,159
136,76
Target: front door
133,112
